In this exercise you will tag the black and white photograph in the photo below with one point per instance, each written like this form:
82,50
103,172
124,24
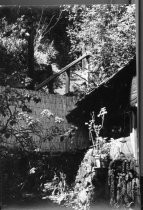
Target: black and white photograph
69,107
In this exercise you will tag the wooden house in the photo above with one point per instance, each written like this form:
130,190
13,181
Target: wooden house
119,95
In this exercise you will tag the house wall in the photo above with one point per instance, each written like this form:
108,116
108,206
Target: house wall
59,105
134,134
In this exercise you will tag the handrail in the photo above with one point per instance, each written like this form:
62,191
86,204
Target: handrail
46,81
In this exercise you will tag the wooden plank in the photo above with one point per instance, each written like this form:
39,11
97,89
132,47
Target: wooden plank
67,81
45,82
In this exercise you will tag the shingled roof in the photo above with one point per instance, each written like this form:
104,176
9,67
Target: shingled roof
118,93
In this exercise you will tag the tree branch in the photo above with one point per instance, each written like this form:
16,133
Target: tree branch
54,24
48,25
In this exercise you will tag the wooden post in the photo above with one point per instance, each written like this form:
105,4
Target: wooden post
67,82
85,64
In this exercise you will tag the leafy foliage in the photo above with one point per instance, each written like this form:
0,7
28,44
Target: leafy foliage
31,37
14,51
26,44
11,130
107,31
44,128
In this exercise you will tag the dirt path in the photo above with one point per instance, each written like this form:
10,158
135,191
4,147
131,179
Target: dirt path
49,205
33,205
46,205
